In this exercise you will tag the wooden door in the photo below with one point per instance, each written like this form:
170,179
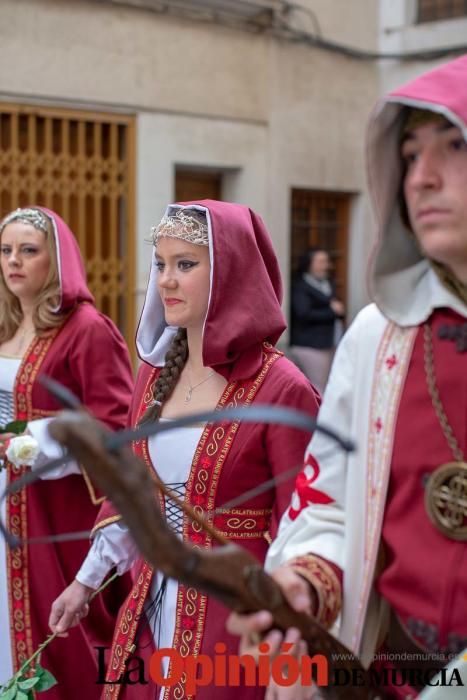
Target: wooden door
81,165
320,219
192,185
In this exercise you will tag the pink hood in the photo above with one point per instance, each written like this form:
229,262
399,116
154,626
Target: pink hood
245,297
71,271
401,280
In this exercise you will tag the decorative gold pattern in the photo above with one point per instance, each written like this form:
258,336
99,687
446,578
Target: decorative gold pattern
446,500
42,413
125,629
210,455
95,500
326,584
243,523
213,454
17,511
238,396
103,523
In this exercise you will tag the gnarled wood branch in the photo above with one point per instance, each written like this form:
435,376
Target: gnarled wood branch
229,573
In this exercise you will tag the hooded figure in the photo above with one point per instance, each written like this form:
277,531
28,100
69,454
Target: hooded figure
74,344
211,316
384,515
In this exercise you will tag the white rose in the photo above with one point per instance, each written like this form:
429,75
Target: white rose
23,450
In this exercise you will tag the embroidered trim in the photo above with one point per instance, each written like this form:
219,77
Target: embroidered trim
201,491
42,413
17,510
17,575
239,523
392,361
125,630
326,584
210,455
103,523
426,637
95,500
130,613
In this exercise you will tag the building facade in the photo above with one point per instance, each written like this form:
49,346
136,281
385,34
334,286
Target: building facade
110,109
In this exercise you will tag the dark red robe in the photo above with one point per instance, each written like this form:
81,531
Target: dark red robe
88,355
243,316
425,575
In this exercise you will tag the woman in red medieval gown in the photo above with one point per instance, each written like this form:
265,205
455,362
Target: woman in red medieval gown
49,325
211,316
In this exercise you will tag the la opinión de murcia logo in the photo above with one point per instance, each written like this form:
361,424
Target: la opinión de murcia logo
231,670
222,669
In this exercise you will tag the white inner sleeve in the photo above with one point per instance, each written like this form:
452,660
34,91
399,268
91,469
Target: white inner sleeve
50,449
112,546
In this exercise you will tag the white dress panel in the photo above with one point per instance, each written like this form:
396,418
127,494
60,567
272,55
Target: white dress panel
172,455
8,369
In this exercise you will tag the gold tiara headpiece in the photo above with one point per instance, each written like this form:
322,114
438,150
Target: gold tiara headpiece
35,217
187,227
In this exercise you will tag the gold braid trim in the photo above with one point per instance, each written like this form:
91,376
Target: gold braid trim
95,499
325,584
103,523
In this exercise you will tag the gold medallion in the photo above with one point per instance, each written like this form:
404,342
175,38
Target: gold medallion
446,499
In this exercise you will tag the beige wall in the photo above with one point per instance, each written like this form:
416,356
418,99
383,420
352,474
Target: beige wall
270,114
319,107
399,32
101,53
351,22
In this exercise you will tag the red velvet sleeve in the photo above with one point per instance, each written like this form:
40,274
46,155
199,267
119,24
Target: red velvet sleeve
89,357
99,365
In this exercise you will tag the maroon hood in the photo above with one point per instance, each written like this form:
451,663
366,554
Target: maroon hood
401,280
245,298
72,276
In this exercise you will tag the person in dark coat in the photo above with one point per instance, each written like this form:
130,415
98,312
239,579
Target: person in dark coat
316,317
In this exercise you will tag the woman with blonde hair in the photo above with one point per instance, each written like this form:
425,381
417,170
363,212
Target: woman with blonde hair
49,325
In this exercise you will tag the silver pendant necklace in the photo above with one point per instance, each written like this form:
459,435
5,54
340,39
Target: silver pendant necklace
192,387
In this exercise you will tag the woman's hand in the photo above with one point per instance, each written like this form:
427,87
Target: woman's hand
70,607
4,440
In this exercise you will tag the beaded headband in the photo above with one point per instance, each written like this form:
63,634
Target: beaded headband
181,225
35,217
